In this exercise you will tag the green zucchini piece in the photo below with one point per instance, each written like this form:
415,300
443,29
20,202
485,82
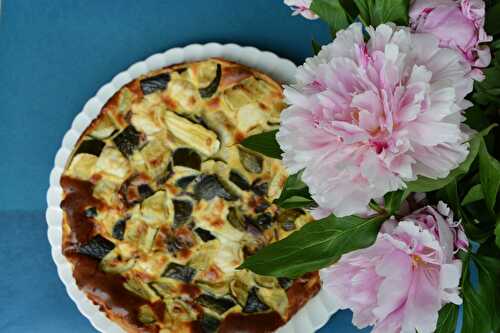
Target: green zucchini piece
260,188
209,324
187,157
205,235
285,283
119,229
180,272
155,83
254,304
182,211
209,186
217,304
210,90
98,247
93,147
128,140
239,180
236,218
184,181
251,162
90,212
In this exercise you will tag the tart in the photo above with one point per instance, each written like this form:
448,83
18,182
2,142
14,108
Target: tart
162,204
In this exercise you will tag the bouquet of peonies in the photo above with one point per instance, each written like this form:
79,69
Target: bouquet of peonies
390,142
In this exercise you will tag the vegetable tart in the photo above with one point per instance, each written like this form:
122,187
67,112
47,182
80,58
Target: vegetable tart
162,204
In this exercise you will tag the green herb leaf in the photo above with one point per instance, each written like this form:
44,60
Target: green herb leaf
492,25
264,143
489,173
424,184
474,194
332,12
376,12
447,320
315,46
393,200
317,245
295,193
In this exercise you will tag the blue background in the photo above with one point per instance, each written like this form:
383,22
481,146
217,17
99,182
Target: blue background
54,55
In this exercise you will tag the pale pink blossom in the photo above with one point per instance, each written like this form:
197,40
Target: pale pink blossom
400,283
366,117
301,7
459,24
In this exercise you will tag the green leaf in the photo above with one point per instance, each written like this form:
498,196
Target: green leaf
474,194
488,90
424,184
296,202
376,12
492,25
489,248
476,317
332,12
315,46
317,245
264,143
449,195
447,320
497,235
475,118
489,173
351,8
393,200
295,193
488,269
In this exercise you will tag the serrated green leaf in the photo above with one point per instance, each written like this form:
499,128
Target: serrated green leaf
332,12
492,24
447,320
264,143
376,12
424,184
317,245
489,173
474,194
315,46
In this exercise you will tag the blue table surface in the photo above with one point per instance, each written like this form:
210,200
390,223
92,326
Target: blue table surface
54,55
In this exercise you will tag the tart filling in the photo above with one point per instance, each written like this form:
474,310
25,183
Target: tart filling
162,204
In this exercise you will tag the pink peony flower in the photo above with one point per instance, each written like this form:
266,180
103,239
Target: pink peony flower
302,7
459,24
365,117
401,282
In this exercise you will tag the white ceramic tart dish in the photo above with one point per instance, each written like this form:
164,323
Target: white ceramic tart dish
161,203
